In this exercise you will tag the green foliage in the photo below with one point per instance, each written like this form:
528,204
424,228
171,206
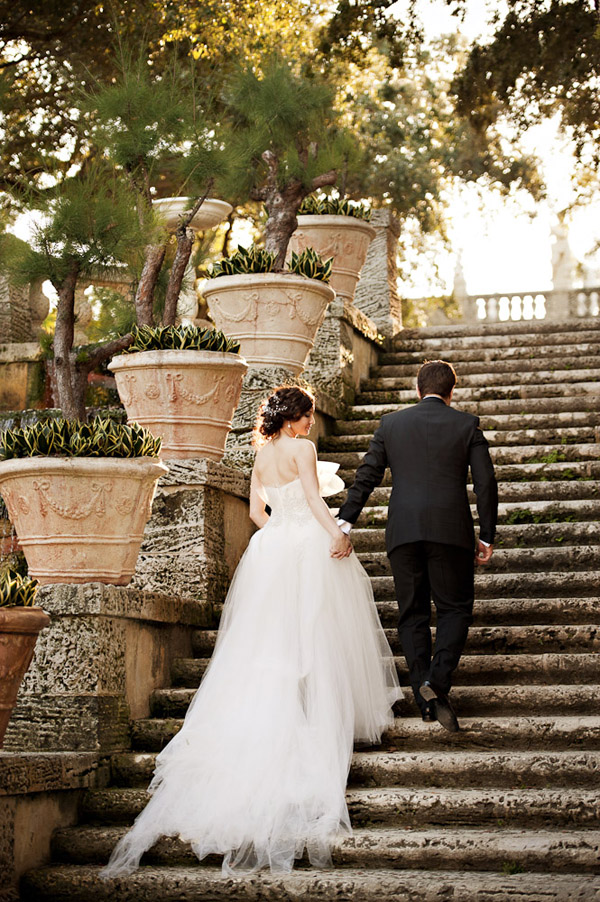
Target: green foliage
245,260
91,223
17,591
311,265
292,116
257,260
190,338
336,206
72,438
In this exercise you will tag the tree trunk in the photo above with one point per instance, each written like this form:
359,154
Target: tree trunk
185,243
144,296
63,342
281,223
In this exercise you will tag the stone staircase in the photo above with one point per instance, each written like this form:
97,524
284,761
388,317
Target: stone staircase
508,808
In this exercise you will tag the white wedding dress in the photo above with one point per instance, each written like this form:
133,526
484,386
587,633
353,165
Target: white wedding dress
301,669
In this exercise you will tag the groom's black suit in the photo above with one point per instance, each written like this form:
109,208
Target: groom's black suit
429,536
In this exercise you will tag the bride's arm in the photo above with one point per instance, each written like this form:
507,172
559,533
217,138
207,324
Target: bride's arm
305,455
258,513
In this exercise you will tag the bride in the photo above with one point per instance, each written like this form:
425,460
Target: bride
301,669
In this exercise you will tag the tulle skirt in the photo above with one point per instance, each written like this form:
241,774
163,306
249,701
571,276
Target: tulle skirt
301,669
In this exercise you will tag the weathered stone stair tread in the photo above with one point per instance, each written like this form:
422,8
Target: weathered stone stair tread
513,492
76,883
499,454
519,378
571,557
526,330
576,850
543,667
432,768
468,700
519,585
513,436
471,360
516,612
511,535
518,732
566,471
412,806
482,639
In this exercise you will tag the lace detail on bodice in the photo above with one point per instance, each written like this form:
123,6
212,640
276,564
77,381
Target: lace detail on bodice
288,504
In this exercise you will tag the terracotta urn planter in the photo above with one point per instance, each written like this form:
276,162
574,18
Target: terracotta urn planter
19,628
210,214
185,397
80,519
275,316
345,238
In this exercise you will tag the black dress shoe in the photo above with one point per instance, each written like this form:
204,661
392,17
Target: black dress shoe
444,711
428,713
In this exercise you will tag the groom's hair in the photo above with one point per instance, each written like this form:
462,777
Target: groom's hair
436,377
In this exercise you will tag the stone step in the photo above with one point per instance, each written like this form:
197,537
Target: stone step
509,536
504,612
494,398
466,807
546,471
509,360
517,585
511,769
511,560
415,807
532,454
549,375
499,335
509,513
468,700
381,848
482,640
539,667
77,883
516,732
484,409
559,436
510,492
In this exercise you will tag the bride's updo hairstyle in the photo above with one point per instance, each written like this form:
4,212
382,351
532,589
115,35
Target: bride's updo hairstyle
286,404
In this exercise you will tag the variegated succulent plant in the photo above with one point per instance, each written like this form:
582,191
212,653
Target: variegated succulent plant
102,437
17,591
256,260
181,338
333,206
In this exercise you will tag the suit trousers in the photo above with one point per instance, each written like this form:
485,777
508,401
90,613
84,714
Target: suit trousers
422,571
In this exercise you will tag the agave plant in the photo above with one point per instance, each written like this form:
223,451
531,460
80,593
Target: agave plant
333,206
72,438
257,260
245,260
311,265
17,591
190,338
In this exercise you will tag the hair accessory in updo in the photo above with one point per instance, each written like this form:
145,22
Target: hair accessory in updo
286,403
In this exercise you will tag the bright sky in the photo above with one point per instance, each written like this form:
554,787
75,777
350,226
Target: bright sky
506,244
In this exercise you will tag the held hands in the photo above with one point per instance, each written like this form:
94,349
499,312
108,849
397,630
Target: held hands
483,553
341,546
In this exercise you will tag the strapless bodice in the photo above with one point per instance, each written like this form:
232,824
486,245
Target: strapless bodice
288,502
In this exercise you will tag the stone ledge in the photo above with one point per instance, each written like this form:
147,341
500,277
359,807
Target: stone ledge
115,601
359,321
193,473
20,352
24,773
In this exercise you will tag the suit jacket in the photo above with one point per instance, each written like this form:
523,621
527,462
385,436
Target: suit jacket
429,448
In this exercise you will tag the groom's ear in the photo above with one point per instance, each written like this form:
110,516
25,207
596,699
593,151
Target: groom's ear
418,391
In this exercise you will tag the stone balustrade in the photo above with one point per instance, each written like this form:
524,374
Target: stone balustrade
556,304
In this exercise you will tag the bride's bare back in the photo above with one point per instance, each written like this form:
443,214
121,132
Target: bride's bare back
276,462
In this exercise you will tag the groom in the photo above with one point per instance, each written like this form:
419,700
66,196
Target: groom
429,535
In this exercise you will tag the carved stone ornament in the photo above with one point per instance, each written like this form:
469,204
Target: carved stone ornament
193,397
274,315
86,516
344,238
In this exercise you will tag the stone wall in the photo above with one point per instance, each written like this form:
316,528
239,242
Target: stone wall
38,794
377,292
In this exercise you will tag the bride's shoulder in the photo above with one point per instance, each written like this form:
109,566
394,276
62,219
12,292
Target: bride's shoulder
304,450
